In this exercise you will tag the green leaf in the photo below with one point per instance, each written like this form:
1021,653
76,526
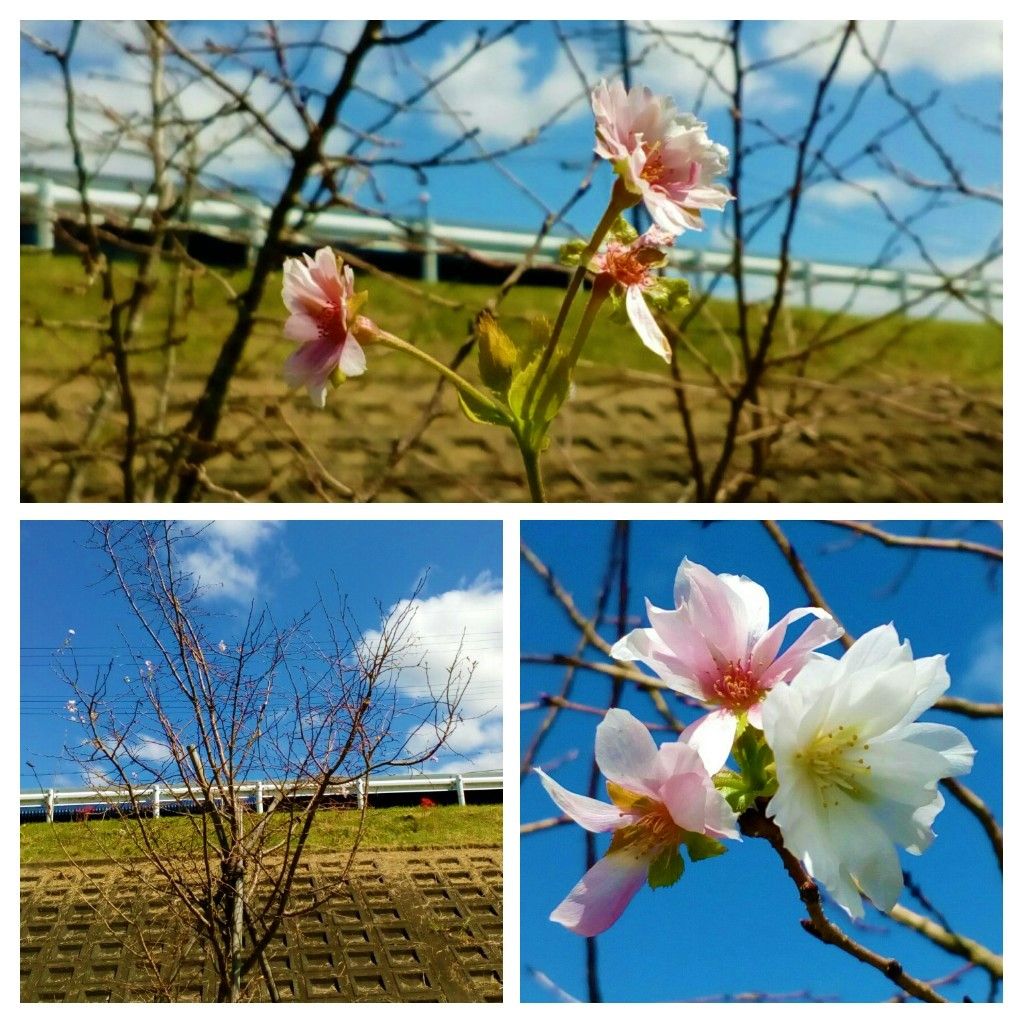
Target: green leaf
666,869
478,412
702,847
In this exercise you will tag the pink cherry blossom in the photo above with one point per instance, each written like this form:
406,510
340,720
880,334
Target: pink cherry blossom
663,156
659,795
319,297
630,267
716,647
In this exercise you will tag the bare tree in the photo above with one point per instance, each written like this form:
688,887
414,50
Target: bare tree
200,718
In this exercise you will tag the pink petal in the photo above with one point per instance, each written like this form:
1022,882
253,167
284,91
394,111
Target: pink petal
817,634
718,612
767,647
645,325
712,737
685,796
301,327
593,815
602,894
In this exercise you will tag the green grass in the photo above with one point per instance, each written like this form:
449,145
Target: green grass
54,288
391,828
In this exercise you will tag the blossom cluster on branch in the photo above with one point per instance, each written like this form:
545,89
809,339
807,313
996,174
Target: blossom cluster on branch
661,158
832,745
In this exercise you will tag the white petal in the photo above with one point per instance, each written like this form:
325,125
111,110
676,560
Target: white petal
712,737
866,852
951,743
876,649
755,601
645,325
626,753
352,362
932,683
593,815
804,822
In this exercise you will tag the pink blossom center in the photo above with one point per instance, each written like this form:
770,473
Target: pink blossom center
737,688
329,321
625,265
654,165
659,829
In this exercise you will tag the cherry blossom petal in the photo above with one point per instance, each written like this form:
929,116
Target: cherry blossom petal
645,325
593,815
712,737
352,361
685,798
626,753
602,894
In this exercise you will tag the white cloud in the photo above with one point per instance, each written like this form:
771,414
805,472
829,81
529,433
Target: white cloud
983,678
498,93
492,91
950,51
223,559
439,624
858,192
113,104
683,58
242,534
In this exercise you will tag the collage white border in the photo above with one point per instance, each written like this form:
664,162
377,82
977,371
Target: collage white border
511,514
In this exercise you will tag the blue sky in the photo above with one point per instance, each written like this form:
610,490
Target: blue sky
732,924
515,85
276,565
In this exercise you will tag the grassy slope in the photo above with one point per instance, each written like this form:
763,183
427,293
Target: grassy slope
53,289
396,828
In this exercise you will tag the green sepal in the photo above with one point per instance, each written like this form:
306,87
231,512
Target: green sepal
496,352
570,253
622,231
702,847
337,378
666,869
478,412
535,426
669,294
535,342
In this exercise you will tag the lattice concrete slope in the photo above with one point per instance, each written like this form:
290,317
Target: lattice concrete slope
410,927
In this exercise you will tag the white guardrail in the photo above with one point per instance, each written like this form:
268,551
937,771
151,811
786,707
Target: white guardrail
44,200
263,790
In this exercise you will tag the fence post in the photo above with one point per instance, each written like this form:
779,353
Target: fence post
156,800
986,296
428,269
255,233
259,796
44,214
808,285
50,802
903,287
460,789
698,271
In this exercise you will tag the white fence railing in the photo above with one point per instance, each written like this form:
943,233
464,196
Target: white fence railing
45,200
260,791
